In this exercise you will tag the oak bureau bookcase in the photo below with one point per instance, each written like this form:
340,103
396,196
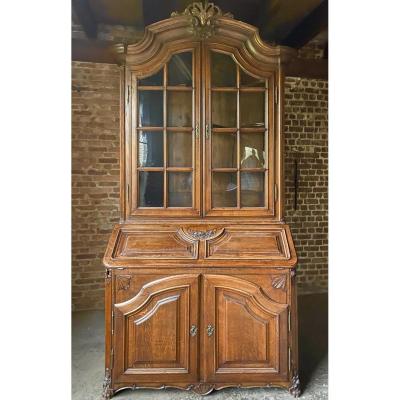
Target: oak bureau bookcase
200,272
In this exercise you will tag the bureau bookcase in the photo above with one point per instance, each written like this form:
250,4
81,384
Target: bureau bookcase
200,281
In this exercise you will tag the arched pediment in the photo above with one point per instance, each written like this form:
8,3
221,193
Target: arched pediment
199,23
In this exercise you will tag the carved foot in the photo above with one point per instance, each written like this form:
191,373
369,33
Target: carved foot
107,391
294,389
203,389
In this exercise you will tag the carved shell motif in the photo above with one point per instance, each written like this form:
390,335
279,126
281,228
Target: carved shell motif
123,282
202,18
279,282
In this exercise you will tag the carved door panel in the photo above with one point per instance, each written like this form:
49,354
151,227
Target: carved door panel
155,338
245,338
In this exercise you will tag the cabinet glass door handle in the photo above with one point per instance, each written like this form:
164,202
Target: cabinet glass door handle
207,131
193,330
210,330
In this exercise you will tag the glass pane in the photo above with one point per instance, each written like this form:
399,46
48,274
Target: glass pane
150,110
153,80
179,108
224,109
252,154
151,189
179,149
180,70
179,189
252,189
252,109
224,151
249,81
150,149
223,70
224,188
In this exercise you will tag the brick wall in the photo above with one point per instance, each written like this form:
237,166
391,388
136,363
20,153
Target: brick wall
306,140
95,175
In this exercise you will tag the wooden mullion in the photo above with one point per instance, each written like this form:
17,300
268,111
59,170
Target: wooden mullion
254,169
224,89
238,135
150,128
151,169
152,88
224,169
252,130
180,88
224,130
179,169
179,129
165,203
252,89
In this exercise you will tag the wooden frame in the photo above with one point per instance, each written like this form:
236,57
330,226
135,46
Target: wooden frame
183,282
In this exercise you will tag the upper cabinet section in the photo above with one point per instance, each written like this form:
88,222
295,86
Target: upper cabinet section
202,120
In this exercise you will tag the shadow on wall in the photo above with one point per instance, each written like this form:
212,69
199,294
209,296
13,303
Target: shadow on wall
313,333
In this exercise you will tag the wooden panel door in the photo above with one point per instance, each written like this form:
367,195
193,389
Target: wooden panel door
245,333
155,338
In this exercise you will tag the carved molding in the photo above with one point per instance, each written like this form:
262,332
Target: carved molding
202,18
200,388
107,391
279,282
294,389
123,282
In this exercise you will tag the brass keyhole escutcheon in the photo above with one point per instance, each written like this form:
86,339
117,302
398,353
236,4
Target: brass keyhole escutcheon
193,330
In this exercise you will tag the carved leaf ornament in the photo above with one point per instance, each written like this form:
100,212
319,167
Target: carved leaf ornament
202,18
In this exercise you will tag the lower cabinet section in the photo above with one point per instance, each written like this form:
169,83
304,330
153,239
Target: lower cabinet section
199,332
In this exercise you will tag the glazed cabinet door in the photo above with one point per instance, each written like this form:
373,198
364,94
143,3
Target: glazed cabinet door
155,332
163,164
245,333
239,140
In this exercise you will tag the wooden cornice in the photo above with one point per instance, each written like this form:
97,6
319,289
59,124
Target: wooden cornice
155,47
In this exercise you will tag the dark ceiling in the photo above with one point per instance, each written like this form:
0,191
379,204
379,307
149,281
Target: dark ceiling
292,23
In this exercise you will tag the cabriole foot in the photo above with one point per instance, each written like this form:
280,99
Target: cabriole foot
294,389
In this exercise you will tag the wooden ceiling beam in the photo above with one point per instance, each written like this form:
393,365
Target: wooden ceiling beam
96,51
307,68
84,13
310,26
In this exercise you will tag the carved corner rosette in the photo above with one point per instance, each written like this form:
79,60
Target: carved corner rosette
202,18
107,391
294,389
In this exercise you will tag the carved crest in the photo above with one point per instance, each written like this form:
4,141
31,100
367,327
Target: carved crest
202,18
